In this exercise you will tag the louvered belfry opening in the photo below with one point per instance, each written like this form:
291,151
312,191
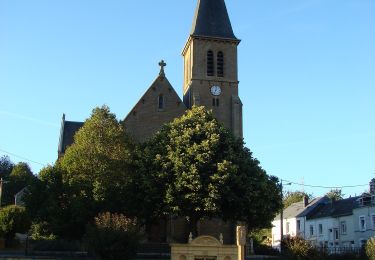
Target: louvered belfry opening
220,64
210,63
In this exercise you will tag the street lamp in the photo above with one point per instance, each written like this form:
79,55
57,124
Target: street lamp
282,213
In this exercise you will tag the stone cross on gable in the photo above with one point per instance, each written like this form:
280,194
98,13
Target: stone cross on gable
162,64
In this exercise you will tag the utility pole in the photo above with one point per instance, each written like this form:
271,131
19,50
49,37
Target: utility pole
282,214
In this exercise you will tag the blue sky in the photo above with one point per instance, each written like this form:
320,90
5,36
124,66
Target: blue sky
306,70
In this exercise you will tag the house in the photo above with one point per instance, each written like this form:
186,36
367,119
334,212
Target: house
336,225
364,217
294,219
331,224
18,197
346,223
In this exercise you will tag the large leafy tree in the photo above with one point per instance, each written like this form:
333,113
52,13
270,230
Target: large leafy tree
97,168
48,203
198,169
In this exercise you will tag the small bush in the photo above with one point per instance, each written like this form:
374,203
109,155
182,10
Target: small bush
297,248
13,219
41,231
370,248
113,236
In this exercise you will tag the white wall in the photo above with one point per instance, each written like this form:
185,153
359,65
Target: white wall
332,233
276,230
369,231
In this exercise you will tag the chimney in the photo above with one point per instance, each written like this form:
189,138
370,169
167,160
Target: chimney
305,201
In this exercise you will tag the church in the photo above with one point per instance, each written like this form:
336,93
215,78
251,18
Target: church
210,79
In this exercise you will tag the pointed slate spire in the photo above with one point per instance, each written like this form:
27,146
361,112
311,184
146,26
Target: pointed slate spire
212,20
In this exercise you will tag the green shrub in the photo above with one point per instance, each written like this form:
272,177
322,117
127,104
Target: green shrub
13,219
41,231
113,236
370,248
297,248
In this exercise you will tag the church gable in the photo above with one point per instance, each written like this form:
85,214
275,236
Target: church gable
159,105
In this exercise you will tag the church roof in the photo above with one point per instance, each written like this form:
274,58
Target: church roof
212,20
68,130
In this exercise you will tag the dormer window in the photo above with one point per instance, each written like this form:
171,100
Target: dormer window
220,64
161,102
210,63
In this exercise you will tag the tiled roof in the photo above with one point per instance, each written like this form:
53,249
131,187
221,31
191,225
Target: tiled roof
211,20
337,208
313,206
298,209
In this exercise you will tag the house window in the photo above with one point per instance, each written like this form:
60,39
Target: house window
210,63
161,102
298,225
362,223
287,227
373,220
220,64
320,229
311,230
336,233
343,227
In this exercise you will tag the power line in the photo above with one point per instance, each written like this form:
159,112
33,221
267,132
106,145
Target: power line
21,157
326,187
292,182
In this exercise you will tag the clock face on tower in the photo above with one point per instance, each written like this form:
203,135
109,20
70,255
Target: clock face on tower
215,90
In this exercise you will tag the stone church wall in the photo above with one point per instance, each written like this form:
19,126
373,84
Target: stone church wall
147,117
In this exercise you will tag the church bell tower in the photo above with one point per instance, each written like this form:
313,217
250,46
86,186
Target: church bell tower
210,65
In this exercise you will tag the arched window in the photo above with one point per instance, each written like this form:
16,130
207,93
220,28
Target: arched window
161,101
210,63
220,64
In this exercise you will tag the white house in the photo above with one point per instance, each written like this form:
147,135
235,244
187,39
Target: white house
364,218
335,225
293,219
331,224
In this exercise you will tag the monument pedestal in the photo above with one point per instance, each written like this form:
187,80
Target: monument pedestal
209,248
203,248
